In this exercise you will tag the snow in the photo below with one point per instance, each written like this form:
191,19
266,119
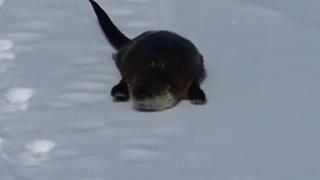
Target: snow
40,146
19,95
37,151
18,98
58,121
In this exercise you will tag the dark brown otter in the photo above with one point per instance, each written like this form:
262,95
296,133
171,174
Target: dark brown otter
158,68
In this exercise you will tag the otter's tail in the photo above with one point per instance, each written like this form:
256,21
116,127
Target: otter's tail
113,34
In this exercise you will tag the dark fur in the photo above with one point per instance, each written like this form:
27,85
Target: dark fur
154,62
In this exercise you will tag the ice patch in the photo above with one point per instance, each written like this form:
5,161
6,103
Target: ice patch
5,45
19,95
40,146
1,2
18,99
37,151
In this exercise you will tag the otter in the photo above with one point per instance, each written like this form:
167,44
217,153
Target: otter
158,68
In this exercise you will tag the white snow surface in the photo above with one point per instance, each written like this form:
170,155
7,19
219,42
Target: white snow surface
58,121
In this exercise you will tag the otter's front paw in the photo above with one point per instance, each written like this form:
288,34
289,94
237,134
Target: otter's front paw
120,92
196,95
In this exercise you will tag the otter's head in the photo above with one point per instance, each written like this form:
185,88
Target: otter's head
156,87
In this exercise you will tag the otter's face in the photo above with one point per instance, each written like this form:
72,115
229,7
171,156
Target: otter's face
155,90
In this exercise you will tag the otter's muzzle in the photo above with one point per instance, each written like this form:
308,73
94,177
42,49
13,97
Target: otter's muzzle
157,103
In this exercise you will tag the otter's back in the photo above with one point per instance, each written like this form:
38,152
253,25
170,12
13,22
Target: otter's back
152,45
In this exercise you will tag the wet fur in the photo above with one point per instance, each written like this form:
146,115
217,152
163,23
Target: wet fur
154,63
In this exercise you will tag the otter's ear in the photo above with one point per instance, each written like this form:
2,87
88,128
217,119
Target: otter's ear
196,94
